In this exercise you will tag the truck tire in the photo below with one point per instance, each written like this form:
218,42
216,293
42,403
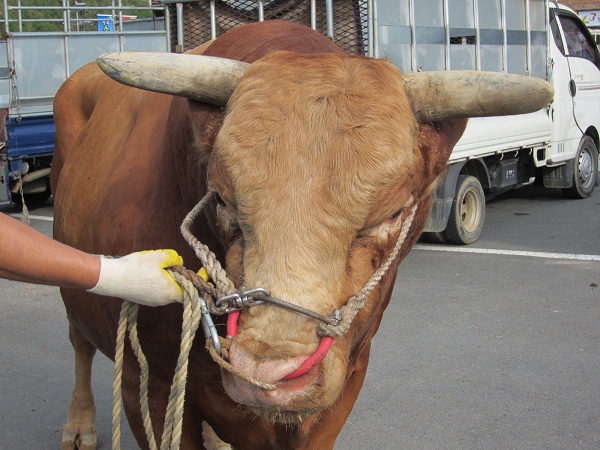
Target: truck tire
468,212
586,170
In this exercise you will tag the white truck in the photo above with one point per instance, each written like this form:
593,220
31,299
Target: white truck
557,146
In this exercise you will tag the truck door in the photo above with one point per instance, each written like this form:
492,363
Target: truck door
583,61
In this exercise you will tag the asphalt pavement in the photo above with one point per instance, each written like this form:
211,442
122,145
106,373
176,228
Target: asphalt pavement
491,346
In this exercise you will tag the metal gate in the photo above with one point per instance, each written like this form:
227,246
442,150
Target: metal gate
34,64
345,21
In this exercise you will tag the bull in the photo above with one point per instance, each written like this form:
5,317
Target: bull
317,159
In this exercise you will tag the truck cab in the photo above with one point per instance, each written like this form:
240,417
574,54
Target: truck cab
576,107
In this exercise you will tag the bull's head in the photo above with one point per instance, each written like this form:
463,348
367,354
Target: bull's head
318,163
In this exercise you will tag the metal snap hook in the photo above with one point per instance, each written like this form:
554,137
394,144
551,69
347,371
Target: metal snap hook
243,299
210,331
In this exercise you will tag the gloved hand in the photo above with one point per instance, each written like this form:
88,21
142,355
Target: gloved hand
140,277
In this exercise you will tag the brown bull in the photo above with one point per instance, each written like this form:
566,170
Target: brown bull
317,162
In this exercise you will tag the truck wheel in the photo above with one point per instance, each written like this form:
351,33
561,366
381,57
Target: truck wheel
586,170
468,211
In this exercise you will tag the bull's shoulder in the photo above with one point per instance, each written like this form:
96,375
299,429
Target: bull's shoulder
72,109
81,90
85,94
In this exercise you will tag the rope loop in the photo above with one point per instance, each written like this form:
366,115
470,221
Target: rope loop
171,438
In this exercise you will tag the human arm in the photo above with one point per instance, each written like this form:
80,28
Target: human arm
30,256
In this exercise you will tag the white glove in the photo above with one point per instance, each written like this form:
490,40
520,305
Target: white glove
140,277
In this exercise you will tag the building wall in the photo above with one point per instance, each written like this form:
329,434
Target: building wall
589,11
582,5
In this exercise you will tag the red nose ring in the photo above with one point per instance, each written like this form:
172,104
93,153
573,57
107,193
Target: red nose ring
312,361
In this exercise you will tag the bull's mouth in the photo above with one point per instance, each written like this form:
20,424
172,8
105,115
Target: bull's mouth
289,403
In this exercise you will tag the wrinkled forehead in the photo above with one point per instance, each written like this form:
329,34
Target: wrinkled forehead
327,125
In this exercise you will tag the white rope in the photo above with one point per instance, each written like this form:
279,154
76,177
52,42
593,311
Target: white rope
358,300
172,430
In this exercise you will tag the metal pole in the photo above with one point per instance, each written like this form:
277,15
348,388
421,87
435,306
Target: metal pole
213,20
446,19
6,21
179,47
67,29
66,16
167,17
504,37
329,14
371,30
121,36
413,36
20,18
313,14
261,10
477,35
549,60
528,26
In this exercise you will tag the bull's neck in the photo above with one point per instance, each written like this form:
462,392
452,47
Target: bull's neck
190,151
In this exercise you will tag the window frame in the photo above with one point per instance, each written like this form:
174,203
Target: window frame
565,48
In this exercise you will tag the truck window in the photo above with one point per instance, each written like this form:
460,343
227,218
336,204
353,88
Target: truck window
556,35
577,42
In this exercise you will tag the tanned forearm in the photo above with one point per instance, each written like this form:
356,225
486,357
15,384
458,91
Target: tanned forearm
30,256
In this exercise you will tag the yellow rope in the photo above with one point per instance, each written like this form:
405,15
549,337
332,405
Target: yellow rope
191,320
227,366
358,300
128,320
119,349
171,438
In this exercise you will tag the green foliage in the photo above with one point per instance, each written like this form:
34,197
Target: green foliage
48,15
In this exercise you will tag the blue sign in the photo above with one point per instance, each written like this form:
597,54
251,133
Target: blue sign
105,22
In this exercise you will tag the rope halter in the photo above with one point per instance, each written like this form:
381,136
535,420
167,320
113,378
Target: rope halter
202,299
228,299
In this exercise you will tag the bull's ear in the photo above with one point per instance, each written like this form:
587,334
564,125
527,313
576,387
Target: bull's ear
435,142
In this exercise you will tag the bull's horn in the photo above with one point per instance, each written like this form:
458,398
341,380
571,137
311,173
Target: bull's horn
438,96
203,78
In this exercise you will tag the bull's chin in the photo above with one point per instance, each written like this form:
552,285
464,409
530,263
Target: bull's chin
290,403
280,417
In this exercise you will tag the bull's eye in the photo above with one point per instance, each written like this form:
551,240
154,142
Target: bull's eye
219,200
397,214
226,217
387,226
